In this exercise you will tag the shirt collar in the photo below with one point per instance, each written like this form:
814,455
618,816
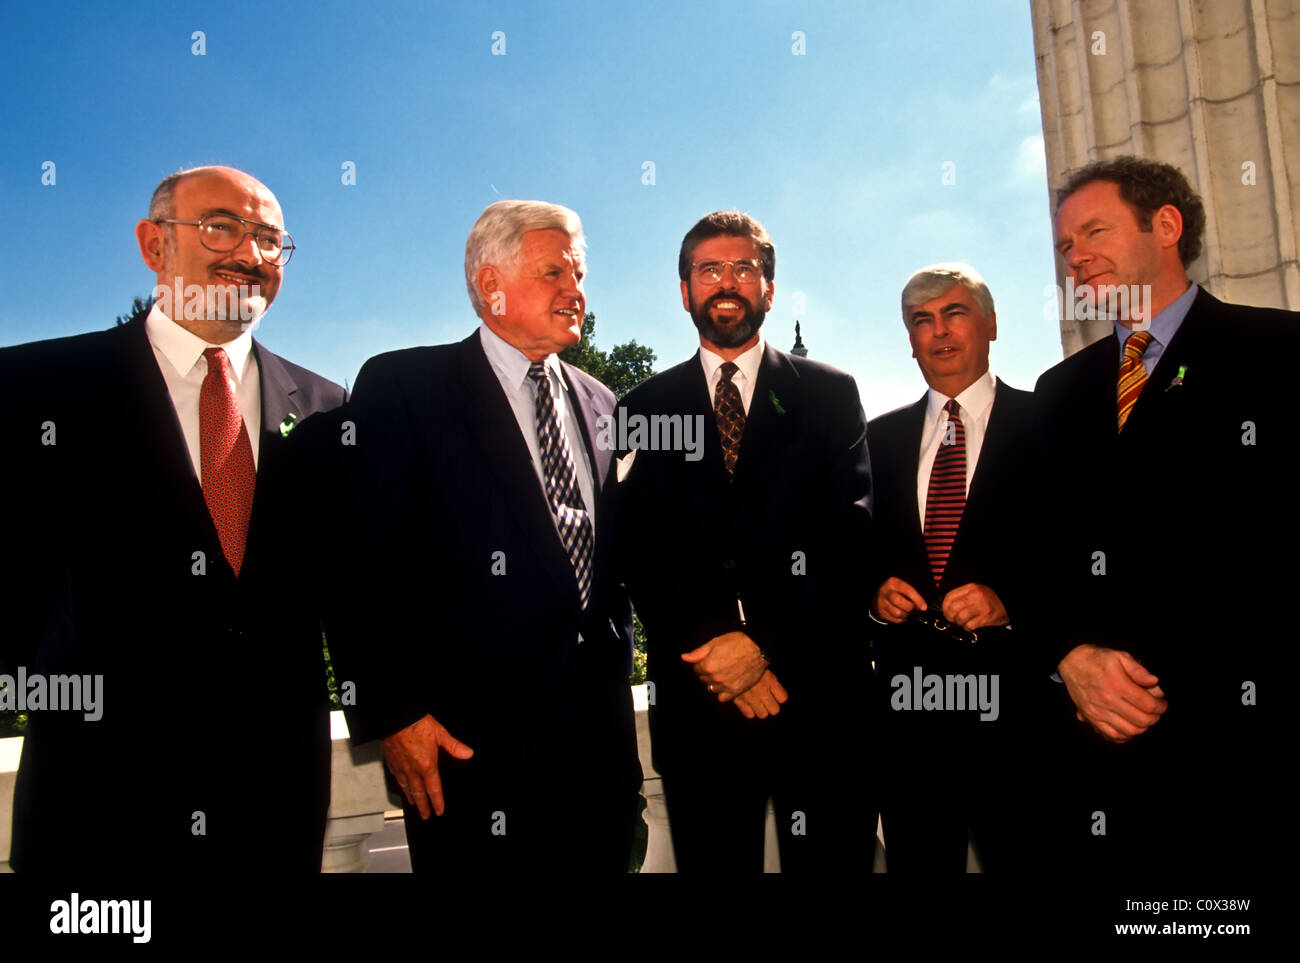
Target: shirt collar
976,399
184,348
1165,324
511,364
747,363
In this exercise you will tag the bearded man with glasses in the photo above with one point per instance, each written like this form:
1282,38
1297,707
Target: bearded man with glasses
746,567
153,539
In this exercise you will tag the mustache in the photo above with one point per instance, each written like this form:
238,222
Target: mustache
253,271
727,297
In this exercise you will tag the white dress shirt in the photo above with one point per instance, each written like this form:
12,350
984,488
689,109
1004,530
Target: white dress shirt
743,379
973,405
180,358
511,367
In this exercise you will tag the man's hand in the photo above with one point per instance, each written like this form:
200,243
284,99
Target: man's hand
974,606
764,698
728,664
1112,691
411,755
896,600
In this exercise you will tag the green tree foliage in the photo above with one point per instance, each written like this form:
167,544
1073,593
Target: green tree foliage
622,368
12,722
139,310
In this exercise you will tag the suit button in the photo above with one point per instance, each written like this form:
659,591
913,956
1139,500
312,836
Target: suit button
729,563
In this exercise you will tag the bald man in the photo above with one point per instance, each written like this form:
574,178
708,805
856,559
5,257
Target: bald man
156,627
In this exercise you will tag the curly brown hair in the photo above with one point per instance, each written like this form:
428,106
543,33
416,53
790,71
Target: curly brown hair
1146,186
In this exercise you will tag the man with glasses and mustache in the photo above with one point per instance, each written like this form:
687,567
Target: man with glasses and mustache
742,566
153,541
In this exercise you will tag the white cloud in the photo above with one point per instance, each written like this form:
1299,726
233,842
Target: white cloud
1031,160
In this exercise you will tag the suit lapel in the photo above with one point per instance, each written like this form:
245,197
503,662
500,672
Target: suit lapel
164,440
278,403
997,439
494,429
278,390
691,386
906,481
1191,341
584,401
772,410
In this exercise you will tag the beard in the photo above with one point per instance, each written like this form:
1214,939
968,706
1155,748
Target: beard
734,334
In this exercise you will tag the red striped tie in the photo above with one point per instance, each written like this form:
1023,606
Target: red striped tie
1132,373
226,460
946,498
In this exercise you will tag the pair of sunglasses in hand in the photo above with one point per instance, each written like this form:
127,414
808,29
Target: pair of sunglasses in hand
933,618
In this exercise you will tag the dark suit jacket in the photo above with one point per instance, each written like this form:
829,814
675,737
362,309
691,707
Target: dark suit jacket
469,607
789,536
1189,505
990,543
213,693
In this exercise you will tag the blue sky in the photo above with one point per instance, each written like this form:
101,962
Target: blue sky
840,152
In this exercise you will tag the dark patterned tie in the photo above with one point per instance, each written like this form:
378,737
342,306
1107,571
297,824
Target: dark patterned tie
562,483
946,498
730,413
1132,374
225,460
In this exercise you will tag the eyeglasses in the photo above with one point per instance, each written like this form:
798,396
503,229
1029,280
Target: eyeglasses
744,272
225,232
932,618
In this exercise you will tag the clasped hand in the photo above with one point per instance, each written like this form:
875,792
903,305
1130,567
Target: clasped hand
733,668
971,606
1112,692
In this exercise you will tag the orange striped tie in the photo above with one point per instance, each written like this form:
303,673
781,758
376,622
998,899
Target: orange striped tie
1132,374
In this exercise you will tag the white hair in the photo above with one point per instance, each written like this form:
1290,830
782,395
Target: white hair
931,282
497,237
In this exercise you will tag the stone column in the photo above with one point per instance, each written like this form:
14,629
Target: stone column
1212,86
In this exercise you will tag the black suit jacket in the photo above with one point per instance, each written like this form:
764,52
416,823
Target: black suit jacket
1187,508
462,602
213,694
789,536
989,548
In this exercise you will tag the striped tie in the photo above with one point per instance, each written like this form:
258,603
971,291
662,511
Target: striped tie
562,483
946,497
1132,374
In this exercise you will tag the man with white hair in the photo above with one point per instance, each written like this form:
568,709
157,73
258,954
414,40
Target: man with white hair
951,491
489,647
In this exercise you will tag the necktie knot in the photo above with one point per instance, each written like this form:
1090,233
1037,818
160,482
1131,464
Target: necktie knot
216,358
1136,345
729,369
537,372
953,409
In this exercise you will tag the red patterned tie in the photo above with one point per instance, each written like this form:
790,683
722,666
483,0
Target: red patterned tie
730,413
946,498
225,459
1132,373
